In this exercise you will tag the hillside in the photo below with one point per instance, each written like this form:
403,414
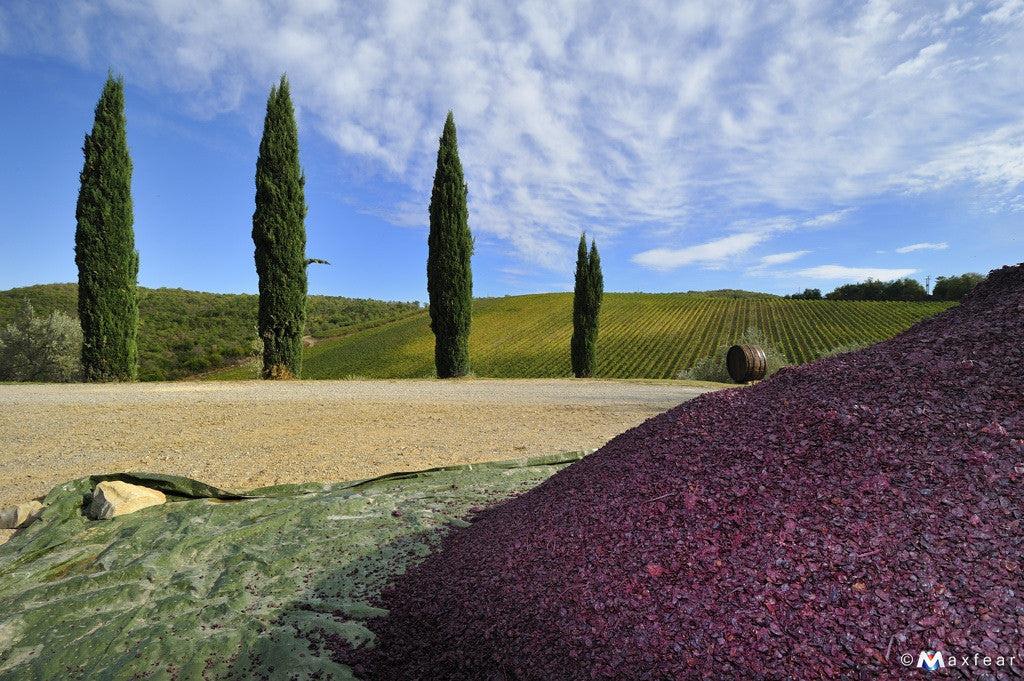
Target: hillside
183,333
642,335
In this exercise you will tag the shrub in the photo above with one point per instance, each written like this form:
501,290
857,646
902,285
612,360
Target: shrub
843,349
35,348
713,368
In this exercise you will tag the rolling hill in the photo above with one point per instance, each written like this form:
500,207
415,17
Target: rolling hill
183,333
642,335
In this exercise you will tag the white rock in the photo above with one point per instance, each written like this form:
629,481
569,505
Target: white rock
20,516
113,498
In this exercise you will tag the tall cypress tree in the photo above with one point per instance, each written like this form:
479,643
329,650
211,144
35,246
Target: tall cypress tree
279,232
108,264
586,308
449,277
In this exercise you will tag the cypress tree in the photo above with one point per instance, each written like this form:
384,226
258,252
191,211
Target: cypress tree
586,308
108,264
279,232
579,312
450,245
595,295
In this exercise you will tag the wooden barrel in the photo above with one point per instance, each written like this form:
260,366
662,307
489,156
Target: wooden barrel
746,363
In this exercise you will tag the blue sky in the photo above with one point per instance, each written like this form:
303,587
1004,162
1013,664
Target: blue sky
703,143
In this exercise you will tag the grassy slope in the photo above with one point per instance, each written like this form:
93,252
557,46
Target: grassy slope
641,335
182,333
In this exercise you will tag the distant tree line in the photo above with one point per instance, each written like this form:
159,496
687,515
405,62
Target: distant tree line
955,288
872,289
808,294
946,288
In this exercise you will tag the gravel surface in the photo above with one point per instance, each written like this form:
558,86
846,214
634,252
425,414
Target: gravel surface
243,435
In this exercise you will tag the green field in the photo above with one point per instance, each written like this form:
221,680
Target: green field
642,335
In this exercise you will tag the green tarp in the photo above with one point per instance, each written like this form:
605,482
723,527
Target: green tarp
218,585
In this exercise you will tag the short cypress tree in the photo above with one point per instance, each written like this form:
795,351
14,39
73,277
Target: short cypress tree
595,296
450,246
578,349
586,309
279,232
108,264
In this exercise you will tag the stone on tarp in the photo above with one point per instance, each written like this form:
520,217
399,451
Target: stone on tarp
113,498
20,516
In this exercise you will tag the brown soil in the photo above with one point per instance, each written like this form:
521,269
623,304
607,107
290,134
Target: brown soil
244,435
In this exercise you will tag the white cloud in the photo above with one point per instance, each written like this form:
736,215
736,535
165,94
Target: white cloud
956,11
925,58
1005,11
923,247
767,262
709,254
605,116
993,159
841,272
781,258
828,218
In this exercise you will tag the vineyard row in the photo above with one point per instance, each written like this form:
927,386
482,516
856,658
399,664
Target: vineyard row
641,335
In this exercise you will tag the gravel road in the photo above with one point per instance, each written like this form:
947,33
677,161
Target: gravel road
242,435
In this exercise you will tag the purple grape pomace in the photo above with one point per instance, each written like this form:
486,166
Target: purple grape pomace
823,524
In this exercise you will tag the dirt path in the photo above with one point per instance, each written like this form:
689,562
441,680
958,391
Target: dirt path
249,434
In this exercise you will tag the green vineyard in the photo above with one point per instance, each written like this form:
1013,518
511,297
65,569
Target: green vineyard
642,335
